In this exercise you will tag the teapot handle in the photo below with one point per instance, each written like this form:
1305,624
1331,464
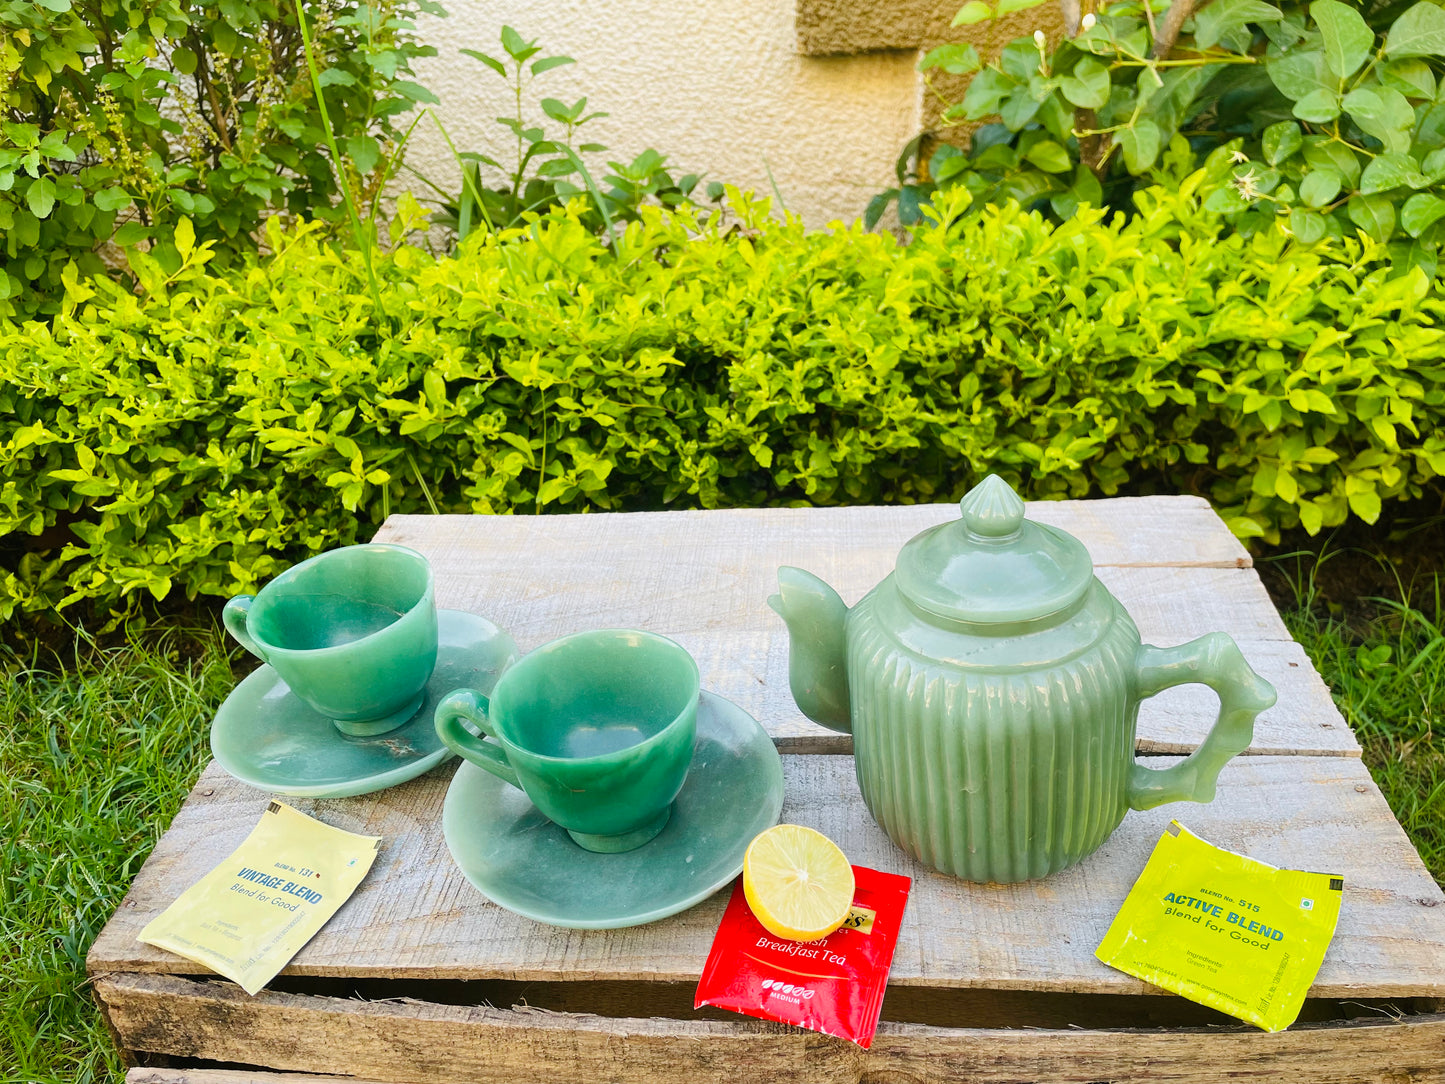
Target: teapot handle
1214,660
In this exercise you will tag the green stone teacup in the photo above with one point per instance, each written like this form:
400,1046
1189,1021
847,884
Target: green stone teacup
353,632
597,728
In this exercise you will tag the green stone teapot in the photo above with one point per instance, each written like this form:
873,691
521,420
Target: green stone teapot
992,685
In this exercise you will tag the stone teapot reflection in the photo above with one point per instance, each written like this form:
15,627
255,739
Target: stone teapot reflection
992,685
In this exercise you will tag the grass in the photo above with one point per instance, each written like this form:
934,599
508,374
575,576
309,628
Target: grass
97,752
1387,673
95,757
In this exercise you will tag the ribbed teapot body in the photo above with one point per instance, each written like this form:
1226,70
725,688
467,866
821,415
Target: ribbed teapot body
993,753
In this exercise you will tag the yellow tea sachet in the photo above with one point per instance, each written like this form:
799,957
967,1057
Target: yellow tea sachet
252,913
1224,930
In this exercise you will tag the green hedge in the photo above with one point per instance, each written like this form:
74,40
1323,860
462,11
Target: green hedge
199,435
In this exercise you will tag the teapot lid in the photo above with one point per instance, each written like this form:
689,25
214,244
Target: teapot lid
993,565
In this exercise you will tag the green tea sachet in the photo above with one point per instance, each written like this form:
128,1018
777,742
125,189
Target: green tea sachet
252,913
1238,935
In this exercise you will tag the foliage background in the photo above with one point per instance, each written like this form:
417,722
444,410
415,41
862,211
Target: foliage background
199,436
1332,114
118,120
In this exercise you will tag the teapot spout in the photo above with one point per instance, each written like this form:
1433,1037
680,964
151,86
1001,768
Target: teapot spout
817,646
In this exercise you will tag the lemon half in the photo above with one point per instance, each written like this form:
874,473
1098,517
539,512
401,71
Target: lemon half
798,883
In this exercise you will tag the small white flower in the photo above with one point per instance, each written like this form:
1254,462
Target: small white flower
1238,156
1088,21
1039,38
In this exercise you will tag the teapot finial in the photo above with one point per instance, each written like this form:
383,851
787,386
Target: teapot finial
992,509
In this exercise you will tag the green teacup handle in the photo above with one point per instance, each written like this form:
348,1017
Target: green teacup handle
234,618
1214,660
472,705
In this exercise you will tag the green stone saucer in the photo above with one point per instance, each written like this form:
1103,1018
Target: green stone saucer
265,736
527,864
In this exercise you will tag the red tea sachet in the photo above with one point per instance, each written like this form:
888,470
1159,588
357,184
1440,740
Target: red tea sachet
833,985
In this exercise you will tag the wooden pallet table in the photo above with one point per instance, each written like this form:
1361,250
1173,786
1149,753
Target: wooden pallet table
421,980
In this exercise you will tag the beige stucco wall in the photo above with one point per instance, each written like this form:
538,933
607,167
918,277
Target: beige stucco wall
720,88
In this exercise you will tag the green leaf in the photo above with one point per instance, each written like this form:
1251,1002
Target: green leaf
185,237
1418,32
546,64
1422,255
1226,200
1318,107
956,58
1281,141
40,197
1008,7
1020,59
1085,189
55,146
948,169
490,61
1383,113
1176,99
131,233
1307,226
1088,87
1420,212
1301,72
1311,517
975,11
1320,186
1140,145
1018,109
183,59
365,151
558,111
1412,78
1389,171
1348,40
517,48
1365,503
1217,19
111,199
1373,214
413,92
1049,157
875,209
985,92
1322,152
910,211
336,77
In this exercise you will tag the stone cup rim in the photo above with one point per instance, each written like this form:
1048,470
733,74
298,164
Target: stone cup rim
287,576
617,756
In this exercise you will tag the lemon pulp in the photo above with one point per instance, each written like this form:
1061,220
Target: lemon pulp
797,882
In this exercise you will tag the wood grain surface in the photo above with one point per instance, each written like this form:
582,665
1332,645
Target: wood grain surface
416,917
703,578
969,956
411,1042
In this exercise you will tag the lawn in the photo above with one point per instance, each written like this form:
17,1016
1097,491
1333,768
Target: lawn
98,749
96,752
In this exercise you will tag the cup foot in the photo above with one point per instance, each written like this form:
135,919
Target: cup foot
370,728
627,841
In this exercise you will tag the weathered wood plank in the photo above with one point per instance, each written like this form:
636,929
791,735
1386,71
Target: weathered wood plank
1163,530
683,572
1176,531
544,577
233,1076
415,1042
416,917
